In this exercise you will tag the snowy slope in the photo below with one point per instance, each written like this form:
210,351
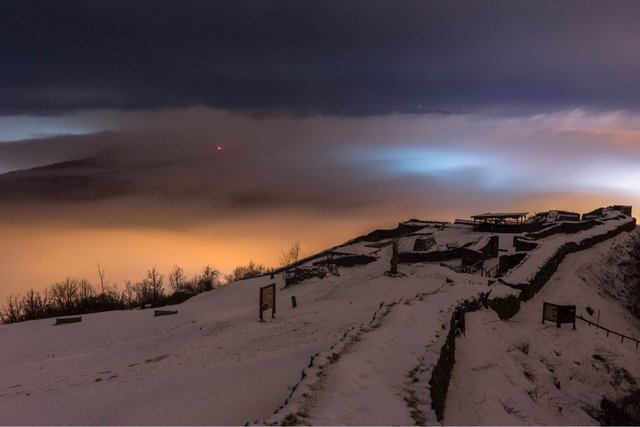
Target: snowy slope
367,343
524,372
212,363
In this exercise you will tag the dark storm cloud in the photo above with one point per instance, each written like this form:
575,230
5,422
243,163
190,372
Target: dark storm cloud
302,56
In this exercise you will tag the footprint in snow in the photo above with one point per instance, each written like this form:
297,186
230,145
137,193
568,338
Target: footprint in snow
156,359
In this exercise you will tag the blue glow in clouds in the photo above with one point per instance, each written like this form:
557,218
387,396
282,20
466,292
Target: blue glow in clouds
432,161
17,128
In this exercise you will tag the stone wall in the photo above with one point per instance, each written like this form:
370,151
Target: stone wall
507,262
471,257
563,227
522,245
506,307
502,228
347,261
528,290
381,234
492,247
441,374
412,257
424,244
299,274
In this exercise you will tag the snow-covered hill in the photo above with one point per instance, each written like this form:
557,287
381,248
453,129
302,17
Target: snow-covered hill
361,347
524,372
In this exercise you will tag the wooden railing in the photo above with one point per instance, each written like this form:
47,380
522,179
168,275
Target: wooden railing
609,331
490,272
471,269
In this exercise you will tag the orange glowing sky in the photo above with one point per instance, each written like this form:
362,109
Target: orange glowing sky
37,254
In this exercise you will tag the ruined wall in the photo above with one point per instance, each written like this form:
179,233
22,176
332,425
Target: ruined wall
522,245
492,247
438,256
424,244
507,262
441,374
347,261
471,257
300,274
505,307
381,234
528,290
563,227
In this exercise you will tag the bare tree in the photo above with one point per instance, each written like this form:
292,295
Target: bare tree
104,282
128,293
290,256
142,291
177,279
12,310
86,293
209,279
154,279
33,305
65,294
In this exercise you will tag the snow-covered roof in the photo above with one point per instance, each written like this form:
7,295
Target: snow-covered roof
514,215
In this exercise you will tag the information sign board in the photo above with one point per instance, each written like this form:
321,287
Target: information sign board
559,313
268,300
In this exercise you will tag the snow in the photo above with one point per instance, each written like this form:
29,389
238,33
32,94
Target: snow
133,368
357,249
566,369
549,246
448,237
369,384
214,363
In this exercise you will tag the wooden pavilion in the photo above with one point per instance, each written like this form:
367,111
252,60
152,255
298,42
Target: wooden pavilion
499,222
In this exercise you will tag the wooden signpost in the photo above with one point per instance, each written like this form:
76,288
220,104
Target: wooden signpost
268,300
559,313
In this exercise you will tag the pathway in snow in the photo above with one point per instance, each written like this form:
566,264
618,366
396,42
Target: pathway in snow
369,384
378,374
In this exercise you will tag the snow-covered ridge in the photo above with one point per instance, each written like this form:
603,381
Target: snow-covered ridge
549,249
524,372
361,347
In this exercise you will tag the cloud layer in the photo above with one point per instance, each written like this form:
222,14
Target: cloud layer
355,57
334,164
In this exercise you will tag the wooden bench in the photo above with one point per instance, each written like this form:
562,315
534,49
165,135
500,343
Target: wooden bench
65,320
164,312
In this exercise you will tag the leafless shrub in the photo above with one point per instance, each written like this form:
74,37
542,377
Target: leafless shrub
291,255
248,271
623,411
522,346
